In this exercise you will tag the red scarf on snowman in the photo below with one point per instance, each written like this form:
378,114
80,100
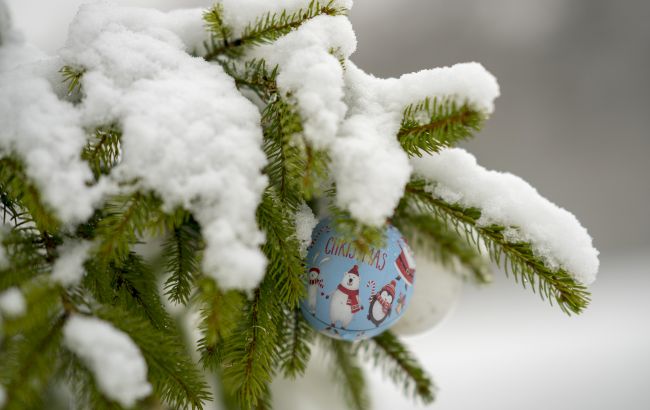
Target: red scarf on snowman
353,298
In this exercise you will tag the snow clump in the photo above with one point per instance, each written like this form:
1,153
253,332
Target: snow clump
68,269
114,359
12,302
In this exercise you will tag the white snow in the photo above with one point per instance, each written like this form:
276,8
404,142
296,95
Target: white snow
68,269
12,302
188,134
114,359
312,75
41,129
305,224
461,83
193,139
369,166
45,132
505,199
356,116
239,13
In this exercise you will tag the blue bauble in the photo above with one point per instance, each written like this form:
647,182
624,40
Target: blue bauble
353,295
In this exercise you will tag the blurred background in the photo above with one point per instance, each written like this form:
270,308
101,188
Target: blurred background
573,120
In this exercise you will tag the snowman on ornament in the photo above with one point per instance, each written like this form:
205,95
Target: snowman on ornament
345,299
315,282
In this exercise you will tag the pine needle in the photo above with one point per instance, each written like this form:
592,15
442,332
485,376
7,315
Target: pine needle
551,283
431,125
394,359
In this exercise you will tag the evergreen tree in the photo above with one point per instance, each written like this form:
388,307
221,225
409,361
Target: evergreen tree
86,270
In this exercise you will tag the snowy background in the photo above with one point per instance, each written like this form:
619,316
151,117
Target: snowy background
572,120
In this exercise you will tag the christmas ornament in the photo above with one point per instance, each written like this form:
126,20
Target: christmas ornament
437,293
354,295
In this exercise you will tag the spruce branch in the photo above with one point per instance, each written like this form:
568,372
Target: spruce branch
516,257
214,23
28,362
295,169
220,315
251,352
431,125
294,346
285,266
83,385
42,303
130,284
287,164
27,258
103,152
389,354
316,172
255,76
124,219
443,243
363,236
347,373
12,214
18,190
173,374
181,257
72,77
265,29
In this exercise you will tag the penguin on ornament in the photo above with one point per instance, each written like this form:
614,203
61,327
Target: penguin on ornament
315,282
381,303
345,299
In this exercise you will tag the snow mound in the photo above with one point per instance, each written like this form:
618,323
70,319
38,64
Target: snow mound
115,360
188,134
12,302
68,269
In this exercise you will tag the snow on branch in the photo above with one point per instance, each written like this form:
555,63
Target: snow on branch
44,131
555,234
12,303
68,269
312,75
464,83
370,167
187,133
115,360
354,116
